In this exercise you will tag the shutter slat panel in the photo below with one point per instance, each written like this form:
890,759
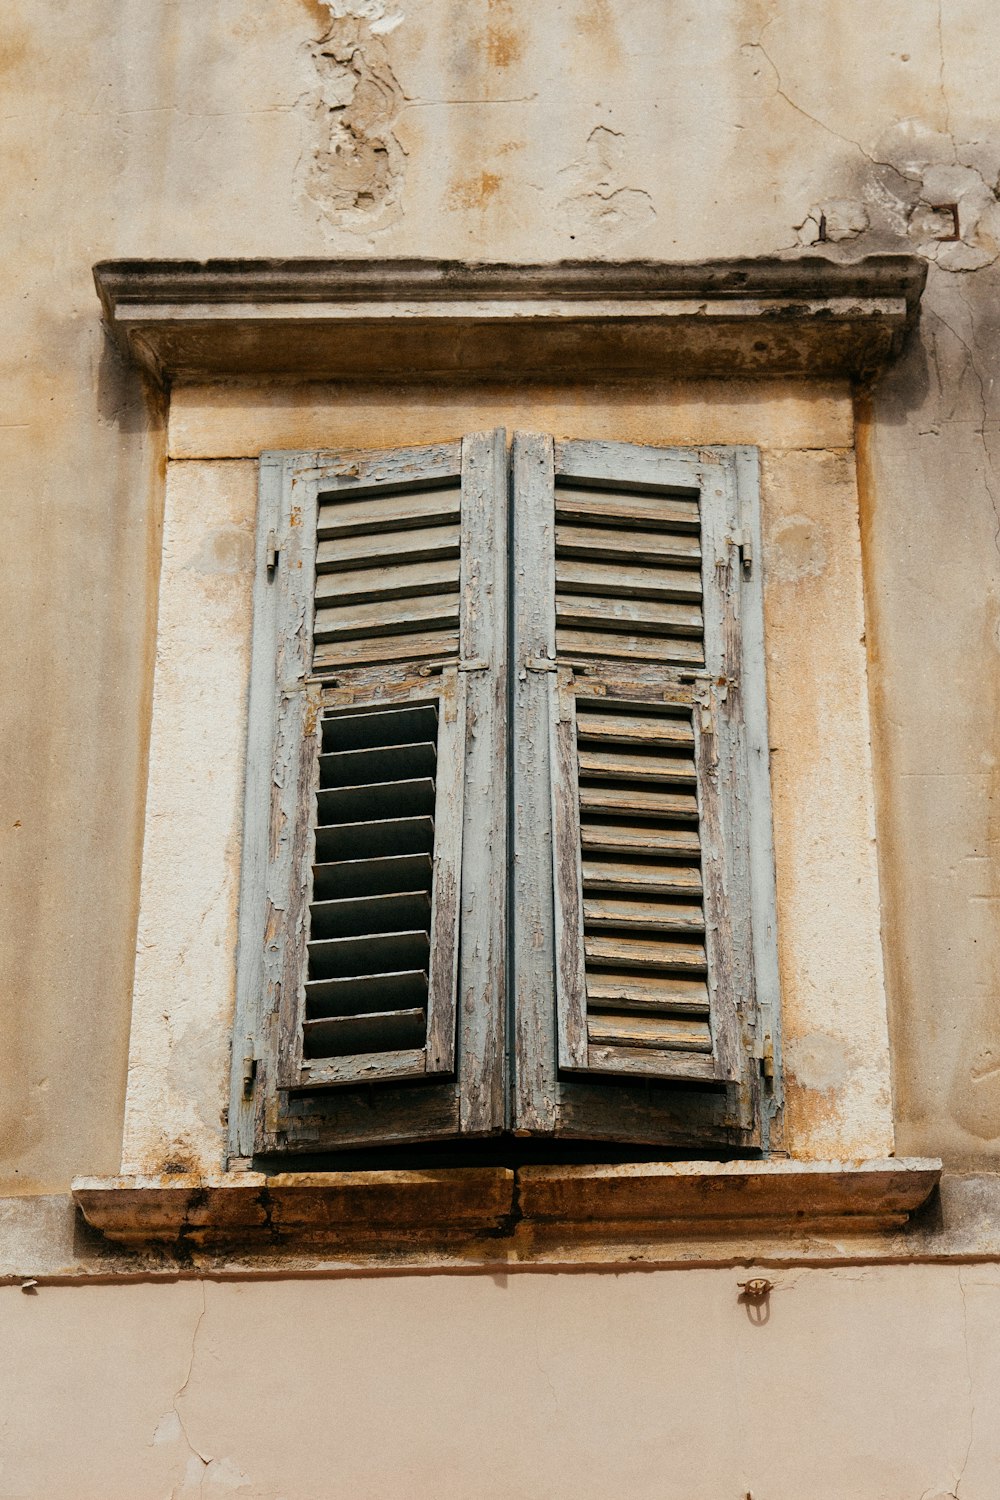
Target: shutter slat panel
644,916
637,802
611,765
623,548
636,878
368,914
372,877
407,724
667,1033
364,517
433,645
368,986
384,549
603,507
616,646
631,729
374,953
393,580
357,767
378,1031
624,582
647,992
358,994
633,617
381,799
370,839
625,839
394,617
643,953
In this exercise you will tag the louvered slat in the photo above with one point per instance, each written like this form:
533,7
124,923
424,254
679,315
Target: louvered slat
628,575
643,922
370,919
388,567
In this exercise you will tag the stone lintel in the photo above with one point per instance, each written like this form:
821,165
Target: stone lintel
420,319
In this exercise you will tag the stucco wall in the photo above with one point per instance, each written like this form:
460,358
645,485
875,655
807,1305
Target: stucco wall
655,1386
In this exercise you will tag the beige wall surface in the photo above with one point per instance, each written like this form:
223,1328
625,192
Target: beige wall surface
861,1384
485,129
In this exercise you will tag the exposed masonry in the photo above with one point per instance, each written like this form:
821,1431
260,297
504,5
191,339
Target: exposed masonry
353,168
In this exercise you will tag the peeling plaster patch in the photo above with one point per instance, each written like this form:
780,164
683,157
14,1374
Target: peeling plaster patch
601,204
352,169
168,1429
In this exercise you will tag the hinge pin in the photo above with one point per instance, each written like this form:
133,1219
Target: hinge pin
272,552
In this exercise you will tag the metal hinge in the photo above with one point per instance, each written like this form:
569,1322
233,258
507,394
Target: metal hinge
539,664
475,664
249,1070
273,552
764,1052
744,542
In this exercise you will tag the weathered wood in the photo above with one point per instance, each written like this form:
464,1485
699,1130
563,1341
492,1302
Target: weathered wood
382,763
381,727
371,953
612,765
372,877
483,976
535,1081
666,1033
644,842
350,622
392,513
622,581
622,952
637,802
631,648
372,1031
647,992
344,655
722,787
641,916
361,993
567,808
631,616
637,878
385,837
623,547
369,914
390,581
442,999
388,549
763,895
645,729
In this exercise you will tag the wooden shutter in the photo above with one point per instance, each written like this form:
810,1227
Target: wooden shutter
636,1006
371,937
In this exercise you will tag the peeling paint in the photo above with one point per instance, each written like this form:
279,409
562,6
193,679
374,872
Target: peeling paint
601,203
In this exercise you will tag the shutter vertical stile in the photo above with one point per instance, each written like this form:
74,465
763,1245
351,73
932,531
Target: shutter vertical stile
628,651
374,609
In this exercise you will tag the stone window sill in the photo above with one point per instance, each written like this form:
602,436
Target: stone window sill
521,1209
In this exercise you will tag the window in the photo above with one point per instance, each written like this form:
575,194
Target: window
507,853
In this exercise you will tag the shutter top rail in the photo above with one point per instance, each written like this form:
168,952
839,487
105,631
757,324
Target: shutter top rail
370,319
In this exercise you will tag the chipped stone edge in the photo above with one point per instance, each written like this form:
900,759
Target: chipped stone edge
353,319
